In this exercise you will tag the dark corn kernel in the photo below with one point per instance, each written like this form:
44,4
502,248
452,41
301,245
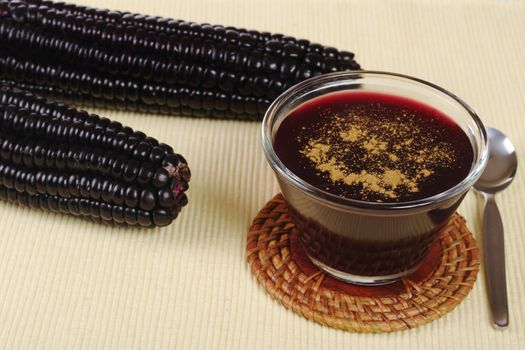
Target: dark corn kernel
131,197
144,218
162,217
148,200
166,198
161,178
130,216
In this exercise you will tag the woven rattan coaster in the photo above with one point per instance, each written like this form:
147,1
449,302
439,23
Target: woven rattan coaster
280,264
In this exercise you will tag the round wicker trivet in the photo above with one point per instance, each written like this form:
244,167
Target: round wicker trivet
280,265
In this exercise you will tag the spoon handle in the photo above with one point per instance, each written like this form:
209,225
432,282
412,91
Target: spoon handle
494,255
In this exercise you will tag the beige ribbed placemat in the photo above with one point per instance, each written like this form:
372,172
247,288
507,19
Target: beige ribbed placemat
68,284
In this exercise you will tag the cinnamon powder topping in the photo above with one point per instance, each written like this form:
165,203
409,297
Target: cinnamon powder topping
384,156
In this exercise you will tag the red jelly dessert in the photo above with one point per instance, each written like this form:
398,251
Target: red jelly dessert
374,147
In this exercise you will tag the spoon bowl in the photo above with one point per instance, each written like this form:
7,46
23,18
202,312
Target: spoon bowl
502,165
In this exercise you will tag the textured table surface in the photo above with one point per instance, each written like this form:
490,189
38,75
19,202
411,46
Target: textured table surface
66,283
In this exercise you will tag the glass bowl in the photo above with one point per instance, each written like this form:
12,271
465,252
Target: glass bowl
370,242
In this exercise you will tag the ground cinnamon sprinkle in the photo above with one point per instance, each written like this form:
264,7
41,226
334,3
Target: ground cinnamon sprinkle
395,157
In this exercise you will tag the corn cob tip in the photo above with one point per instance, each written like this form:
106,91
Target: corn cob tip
60,159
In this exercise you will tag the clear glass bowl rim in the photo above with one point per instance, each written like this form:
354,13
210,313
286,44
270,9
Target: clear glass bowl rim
278,166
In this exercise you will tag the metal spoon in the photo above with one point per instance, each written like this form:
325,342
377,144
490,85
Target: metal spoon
498,174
